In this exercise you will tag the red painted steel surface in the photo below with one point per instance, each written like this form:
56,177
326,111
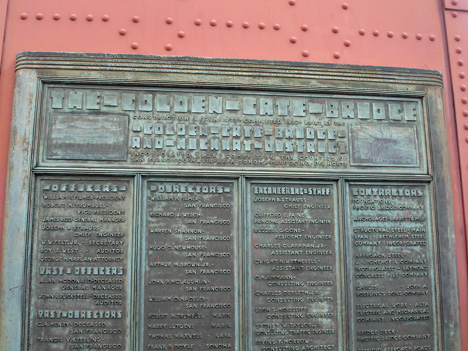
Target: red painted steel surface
457,5
396,33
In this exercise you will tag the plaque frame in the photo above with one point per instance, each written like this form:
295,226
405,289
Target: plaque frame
36,70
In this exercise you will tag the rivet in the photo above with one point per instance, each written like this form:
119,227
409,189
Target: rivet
458,50
197,22
457,38
362,31
418,36
169,20
463,87
375,33
466,126
464,100
404,35
135,19
181,34
461,75
336,55
305,27
466,139
344,6
39,16
454,14
465,113
105,18
347,43
454,2
390,34
276,26
122,31
292,2
432,37
293,40
261,25
213,23
229,24
460,62
24,16
73,17
305,53
335,30
245,25
89,18
56,16
134,45
168,47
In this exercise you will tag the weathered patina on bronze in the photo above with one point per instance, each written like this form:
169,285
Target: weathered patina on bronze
189,271
187,128
293,275
390,260
81,271
297,207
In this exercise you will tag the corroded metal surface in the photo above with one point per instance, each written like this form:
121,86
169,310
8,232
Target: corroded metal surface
292,266
79,293
206,275
187,128
189,272
390,262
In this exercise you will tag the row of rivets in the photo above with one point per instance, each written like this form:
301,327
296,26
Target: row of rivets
390,34
73,17
230,24
461,74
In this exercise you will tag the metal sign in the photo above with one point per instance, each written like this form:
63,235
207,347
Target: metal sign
198,215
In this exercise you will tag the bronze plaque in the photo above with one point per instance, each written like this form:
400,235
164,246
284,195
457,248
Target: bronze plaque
82,241
390,259
292,266
189,272
248,130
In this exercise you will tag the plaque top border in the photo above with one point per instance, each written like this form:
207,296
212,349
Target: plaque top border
209,69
